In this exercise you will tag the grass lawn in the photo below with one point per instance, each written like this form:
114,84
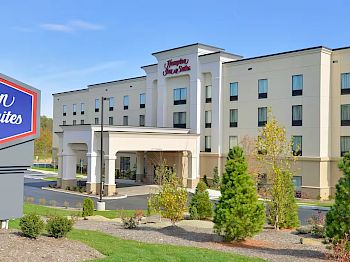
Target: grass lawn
117,249
44,168
45,211
316,203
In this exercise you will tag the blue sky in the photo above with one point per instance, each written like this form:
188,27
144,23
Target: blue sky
63,45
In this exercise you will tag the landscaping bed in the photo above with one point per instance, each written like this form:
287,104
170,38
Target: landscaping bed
14,247
270,245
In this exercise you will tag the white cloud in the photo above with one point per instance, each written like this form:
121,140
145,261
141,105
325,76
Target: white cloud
72,26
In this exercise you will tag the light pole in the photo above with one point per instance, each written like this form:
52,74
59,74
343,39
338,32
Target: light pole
100,204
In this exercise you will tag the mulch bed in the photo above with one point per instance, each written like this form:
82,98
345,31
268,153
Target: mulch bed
14,247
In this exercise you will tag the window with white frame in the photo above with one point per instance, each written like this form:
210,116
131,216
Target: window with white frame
64,110
111,103
233,117
207,146
82,108
234,91
207,116
142,120
262,88
345,83
110,120
179,119
82,122
180,96
208,94
126,102
142,100
97,105
297,145
74,109
345,115
297,115
262,116
74,122
232,141
96,121
64,122
297,85
125,120
344,145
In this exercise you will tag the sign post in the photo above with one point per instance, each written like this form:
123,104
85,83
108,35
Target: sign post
19,126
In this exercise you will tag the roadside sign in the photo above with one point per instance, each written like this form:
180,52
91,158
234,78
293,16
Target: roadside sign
19,105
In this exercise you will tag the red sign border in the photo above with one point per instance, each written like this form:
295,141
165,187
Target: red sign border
34,117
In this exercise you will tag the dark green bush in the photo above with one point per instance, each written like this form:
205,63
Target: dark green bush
58,226
88,207
201,207
31,225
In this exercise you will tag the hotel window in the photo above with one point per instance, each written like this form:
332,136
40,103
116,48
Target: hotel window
179,119
297,181
82,122
208,94
142,120
74,109
82,108
232,141
74,122
262,88
126,102
207,115
207,140
111,103
97,105
344,145
124,165
297,85
345,115
297,115
142,100
125,121
345,83
262,116
110,121
297,146
234,91
64,122
96,121
64,110
233,117
180,96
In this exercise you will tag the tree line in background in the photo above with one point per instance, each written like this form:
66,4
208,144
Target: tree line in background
43,144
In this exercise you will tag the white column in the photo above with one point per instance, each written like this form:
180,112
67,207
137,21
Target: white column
195,103
92,165
69,166
110,170
140,165
193,174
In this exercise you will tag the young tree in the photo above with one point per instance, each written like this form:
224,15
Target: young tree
201,207
338,218
171,201
238,214
216,178
274,151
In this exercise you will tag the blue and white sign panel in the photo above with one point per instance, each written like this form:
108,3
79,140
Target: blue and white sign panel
18,112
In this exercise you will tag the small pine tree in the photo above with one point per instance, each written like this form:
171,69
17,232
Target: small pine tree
216,178
238,214
338,218
201,207
88,207
205,180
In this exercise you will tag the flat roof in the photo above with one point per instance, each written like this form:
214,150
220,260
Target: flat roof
66,92
116,81
199,44
281,53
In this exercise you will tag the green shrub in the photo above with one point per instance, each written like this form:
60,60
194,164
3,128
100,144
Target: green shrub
58,226
205,180
338,218
201,206
216,178
31,225
238,214
88,207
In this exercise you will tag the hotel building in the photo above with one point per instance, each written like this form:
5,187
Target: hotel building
195,103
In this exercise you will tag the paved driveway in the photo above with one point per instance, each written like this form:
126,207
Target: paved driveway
137,198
